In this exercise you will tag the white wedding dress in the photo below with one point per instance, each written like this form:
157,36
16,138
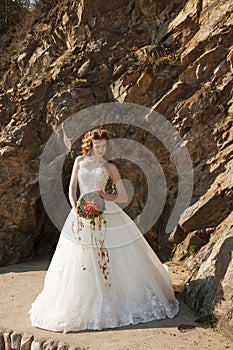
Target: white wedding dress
75,294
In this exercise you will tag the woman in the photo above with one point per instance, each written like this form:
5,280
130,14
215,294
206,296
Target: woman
106,276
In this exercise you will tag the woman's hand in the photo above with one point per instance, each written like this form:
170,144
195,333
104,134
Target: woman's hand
100,193
106,196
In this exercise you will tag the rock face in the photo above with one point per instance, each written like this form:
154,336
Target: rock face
174,58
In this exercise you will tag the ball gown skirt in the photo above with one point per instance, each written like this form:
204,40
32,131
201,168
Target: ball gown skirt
77,295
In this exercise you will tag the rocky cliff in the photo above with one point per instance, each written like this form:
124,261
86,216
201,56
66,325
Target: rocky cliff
175,58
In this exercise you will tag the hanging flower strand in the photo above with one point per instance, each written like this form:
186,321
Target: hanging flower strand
91,206
103,255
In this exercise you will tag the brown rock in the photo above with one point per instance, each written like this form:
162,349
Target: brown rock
207,62
143,91
178,91
192,243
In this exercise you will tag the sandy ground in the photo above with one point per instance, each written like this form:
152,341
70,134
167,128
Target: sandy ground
21,283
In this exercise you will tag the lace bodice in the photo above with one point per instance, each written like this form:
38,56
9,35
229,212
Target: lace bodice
90,180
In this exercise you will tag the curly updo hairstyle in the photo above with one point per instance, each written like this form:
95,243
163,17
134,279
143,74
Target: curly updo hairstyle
96,134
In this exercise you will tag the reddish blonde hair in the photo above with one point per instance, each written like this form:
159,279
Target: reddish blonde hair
96,134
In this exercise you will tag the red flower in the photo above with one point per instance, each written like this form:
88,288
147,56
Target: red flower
103,254
87,205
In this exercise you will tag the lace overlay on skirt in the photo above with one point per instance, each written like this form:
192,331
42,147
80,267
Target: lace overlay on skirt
101,315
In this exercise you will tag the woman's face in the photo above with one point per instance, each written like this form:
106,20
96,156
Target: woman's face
99,147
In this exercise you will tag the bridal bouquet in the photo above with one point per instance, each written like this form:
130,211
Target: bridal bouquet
91,206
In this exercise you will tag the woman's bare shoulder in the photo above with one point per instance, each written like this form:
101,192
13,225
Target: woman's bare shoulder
78,160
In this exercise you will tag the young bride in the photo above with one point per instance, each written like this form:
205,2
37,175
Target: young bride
107,275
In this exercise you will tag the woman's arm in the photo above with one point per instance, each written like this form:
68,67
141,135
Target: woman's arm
73,183
121,196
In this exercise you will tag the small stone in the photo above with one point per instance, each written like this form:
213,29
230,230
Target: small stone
26,343
15,340
49,345
7,340
35,345
62,347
